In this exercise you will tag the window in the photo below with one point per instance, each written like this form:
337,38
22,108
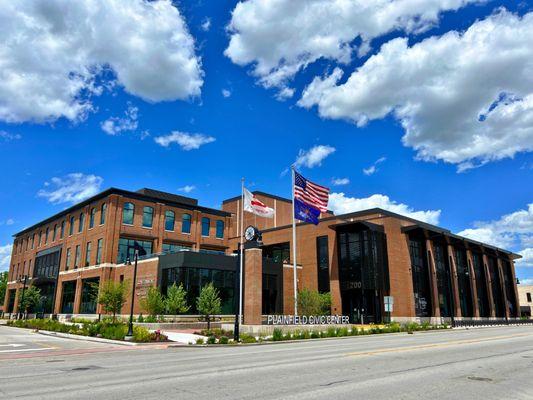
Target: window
69,259
91,218
82,220
420,277
62,231
46,236
126,250
27,243
99,251
169,220
528,295
32,241
77,257
103,210
174,248
279,253
88,254
211,251
322,256
205,226
54,234
148,216
220,229
127,213
186,223
71,227
40,238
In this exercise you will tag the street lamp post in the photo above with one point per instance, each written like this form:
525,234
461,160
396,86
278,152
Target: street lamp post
23,279
138,250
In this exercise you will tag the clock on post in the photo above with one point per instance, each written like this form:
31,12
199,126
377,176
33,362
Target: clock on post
252,234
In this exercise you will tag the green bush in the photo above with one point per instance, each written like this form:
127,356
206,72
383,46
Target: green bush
331,332
277,335
246,338
211,340
342,332
311,302
200,341
223,340
142,335
315,335
114,331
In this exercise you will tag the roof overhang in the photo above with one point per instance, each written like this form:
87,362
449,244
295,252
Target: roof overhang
364,224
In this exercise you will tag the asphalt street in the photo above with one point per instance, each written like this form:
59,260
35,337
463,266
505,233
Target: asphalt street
481,363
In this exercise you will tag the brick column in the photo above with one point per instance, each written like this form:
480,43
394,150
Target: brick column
253,286
455,284
473,286
488,279
58,298
77,296
435,305
502,285
515,288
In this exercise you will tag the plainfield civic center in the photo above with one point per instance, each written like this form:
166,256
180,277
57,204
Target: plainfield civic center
360,258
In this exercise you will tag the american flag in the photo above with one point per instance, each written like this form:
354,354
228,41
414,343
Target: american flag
310,193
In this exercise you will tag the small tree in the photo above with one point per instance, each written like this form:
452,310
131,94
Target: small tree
153,303
311,302
176,301
208,303
31,299
112,297
3,285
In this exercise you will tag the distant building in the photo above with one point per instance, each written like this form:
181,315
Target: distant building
359,257
525,294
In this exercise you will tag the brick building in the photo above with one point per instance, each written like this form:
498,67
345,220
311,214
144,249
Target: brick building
359,257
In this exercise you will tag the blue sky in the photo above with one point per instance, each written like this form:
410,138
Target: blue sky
477,173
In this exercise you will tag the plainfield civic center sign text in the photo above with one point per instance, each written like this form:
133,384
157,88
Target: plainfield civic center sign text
307,320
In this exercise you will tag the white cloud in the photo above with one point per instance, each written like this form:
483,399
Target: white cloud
7,222
340,181
187,141
527,258
514,230
116,125
187,188
226,93
280,38
339,203
71,188
526,282
464,98
313,157
206,24
9,136
53,54
5,256
374,167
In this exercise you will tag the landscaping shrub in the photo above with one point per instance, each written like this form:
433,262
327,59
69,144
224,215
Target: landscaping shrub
331,332
211,340
142,335
200,341
277,335
315,335
342,332
245,338
311,302
223,340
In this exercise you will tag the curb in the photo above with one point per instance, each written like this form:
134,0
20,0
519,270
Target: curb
89,338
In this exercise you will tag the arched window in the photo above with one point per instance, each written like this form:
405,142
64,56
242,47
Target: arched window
54,234
62,232
46,236
127,213
220,229
186,223
91,217
40,238
71,228
205,226
148,216
169,220
103,210
81,222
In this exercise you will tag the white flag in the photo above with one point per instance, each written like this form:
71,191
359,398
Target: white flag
255,206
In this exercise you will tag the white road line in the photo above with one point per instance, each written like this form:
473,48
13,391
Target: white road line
12,345
20,350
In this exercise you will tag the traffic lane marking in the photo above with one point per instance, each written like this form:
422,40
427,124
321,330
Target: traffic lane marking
434,345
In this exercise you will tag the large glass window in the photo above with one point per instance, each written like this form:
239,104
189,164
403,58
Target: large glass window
186,223
174,248
89,295
62,231
497,294
126,249
148,216
463,279
481,285
322,255
99,248
206,222
127,213
67,301
193,279
103,210
81,222
71,227
211,251
509,289
420,274
169,220
280,253
220,229
91,217
88,254
443,280
77,256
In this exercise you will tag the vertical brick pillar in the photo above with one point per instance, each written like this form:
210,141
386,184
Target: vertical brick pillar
253,286
435,305
488,279
473,286
58,298
77,296
515,289
455,284
502,281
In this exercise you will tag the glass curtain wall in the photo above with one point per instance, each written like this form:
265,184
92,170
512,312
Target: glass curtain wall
443,280
463,278
420,275
481,285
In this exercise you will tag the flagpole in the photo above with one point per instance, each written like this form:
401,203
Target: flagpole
241,245
294,246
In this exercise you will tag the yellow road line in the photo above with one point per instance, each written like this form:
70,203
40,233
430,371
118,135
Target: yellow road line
433,345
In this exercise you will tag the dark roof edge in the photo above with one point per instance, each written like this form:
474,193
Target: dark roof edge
273,196
126,193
